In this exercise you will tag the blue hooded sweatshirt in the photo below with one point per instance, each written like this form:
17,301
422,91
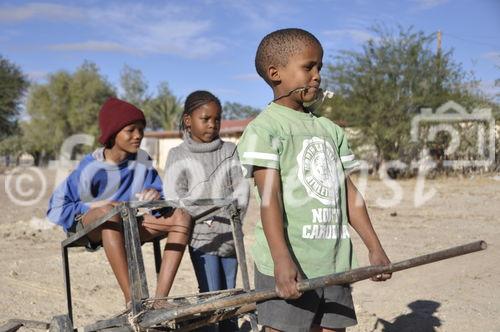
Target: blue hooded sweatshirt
96,180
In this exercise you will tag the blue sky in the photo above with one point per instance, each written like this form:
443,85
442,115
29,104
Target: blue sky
211,44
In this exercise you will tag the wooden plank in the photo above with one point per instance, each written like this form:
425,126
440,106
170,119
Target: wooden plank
120,329
13,325
120,321
61,323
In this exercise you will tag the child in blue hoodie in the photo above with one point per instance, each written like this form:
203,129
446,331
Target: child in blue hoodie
120,171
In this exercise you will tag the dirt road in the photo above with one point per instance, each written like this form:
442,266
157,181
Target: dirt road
462,293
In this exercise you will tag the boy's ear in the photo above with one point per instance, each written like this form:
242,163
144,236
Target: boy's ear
273,74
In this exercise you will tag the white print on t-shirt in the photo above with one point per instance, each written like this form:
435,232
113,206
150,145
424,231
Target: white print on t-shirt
325,225
324,215
317,170
326,232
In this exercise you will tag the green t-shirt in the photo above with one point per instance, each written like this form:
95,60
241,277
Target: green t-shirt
312,156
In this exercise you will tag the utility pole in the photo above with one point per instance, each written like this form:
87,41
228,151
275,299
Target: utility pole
439,76
439,36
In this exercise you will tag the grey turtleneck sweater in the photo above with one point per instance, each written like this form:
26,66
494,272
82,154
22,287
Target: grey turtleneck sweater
207,170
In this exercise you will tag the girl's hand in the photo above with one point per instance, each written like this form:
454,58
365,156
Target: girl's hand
148,195
379,258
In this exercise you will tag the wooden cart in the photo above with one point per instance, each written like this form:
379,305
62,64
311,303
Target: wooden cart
193,311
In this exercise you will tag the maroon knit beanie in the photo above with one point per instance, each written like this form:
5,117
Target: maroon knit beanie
116,114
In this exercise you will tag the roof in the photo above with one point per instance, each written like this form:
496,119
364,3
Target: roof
227,128
234,126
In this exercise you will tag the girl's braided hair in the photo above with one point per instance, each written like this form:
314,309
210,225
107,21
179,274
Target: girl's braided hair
195,100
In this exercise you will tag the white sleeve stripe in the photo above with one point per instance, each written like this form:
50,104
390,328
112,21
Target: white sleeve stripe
260,155
347,158
353,165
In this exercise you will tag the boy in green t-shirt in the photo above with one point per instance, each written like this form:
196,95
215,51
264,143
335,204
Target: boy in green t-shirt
300,164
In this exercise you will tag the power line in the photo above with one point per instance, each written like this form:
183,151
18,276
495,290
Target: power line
470,40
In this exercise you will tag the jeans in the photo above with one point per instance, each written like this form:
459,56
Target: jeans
215,273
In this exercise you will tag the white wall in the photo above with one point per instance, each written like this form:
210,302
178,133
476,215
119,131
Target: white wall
158,148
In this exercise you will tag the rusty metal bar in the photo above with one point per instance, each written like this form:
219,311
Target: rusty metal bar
236,226
137,274
155,317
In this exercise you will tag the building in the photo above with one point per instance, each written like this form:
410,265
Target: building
159,143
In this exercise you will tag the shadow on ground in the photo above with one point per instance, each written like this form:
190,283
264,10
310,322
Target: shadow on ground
420,319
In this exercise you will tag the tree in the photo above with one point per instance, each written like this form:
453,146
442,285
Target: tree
163,111
67,104
11,147
380,88
13,85
235,111
134,86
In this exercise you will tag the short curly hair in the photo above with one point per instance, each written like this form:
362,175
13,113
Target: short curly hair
278,46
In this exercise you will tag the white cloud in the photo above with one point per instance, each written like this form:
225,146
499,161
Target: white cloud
493,57
428,4
262,15
226,91
37,75
246,77
128,28
490,88
184,38
39,11
356,35
91,46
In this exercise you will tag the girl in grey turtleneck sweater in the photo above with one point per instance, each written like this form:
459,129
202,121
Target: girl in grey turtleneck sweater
202,167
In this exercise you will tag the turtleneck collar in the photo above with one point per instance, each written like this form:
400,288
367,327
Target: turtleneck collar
197,147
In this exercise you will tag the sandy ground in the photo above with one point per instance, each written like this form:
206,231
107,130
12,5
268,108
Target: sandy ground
458,294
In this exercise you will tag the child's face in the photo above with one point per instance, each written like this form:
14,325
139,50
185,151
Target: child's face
302,70
129,138
204,123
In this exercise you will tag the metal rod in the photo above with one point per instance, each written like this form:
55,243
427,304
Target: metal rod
70,241
154,317
180,203
368,272
67,281
157,254
241,257
244,309
146,204
137,275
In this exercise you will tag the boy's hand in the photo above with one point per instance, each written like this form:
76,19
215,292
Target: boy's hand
286,276
148,195
379,258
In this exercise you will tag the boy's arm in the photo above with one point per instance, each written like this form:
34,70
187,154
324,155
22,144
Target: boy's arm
360,221
286,273
65,203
